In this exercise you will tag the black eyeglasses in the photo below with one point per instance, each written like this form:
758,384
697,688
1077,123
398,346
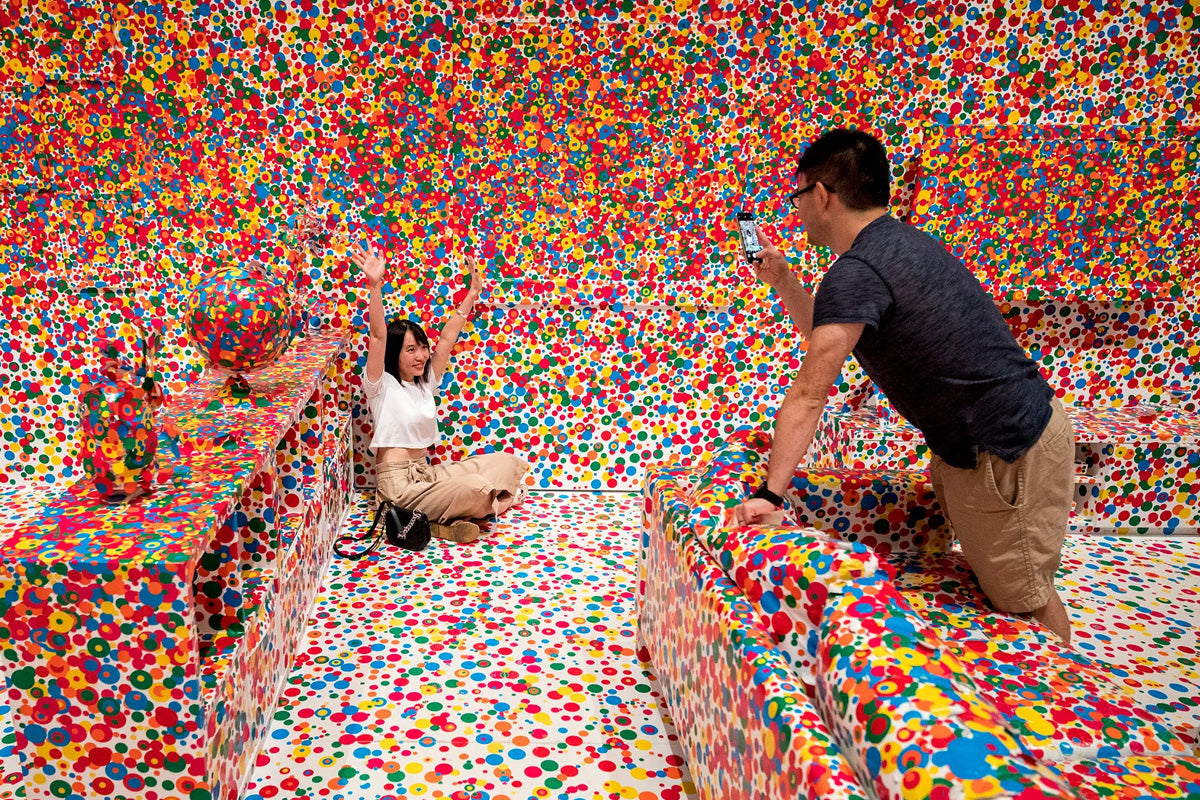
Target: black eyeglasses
793,199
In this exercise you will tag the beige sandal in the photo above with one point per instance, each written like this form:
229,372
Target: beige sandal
460,530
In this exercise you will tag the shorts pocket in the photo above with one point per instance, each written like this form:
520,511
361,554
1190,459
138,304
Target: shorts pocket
1005,481
1061,429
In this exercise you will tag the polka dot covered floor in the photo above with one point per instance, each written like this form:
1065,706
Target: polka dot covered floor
506,668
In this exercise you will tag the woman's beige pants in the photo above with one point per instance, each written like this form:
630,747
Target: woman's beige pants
473,488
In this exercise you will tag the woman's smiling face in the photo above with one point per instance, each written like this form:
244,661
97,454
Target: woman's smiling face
413,357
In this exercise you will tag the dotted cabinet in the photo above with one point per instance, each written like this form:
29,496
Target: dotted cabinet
144,645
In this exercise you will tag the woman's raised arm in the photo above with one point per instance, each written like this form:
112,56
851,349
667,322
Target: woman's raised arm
454,324
374,267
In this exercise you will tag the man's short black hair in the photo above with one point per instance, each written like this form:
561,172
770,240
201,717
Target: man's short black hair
852,163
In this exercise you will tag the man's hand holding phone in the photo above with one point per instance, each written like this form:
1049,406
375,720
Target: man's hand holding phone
748,231
771,265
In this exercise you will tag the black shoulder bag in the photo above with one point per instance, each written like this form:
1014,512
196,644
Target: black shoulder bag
403,528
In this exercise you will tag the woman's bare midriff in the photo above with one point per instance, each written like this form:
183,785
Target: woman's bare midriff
394,455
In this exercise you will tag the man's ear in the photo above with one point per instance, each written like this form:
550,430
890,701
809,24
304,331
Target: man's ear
824,197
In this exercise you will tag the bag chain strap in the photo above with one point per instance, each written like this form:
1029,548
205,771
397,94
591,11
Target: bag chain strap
412,520
351,538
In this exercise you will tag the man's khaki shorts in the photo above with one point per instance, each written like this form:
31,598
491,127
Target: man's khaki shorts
1012,518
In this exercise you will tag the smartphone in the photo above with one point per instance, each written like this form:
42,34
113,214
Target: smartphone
750,246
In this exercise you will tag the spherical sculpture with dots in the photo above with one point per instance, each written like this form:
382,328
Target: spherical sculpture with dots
240,318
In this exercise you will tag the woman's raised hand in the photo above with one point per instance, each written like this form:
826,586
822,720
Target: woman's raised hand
476,287
373,265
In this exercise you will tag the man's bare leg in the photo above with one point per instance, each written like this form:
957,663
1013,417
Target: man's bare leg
1054,616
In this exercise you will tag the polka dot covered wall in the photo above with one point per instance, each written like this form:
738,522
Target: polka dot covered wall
591,153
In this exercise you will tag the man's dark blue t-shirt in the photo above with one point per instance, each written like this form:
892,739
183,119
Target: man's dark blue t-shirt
935,344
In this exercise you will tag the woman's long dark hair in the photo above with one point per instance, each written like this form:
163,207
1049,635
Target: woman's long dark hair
396,331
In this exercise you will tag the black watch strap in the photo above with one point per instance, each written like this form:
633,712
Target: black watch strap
764,493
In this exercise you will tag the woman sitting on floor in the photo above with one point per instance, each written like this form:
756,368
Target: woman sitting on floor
401,382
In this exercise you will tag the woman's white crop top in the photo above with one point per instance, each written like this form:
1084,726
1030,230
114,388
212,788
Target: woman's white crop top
405,413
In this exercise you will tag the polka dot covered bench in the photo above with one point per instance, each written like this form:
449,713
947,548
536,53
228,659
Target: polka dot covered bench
848,652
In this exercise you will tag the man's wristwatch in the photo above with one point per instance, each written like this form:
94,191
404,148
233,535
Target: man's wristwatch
764,493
